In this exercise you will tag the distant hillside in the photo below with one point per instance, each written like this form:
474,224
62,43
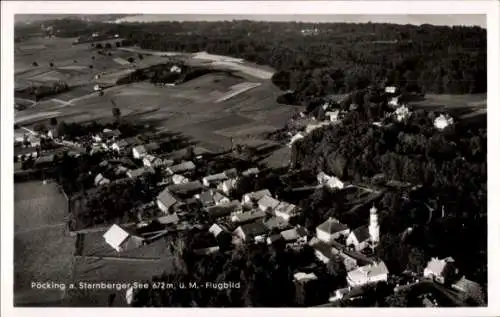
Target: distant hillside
32,18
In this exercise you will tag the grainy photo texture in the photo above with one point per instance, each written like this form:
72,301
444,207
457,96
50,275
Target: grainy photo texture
222,161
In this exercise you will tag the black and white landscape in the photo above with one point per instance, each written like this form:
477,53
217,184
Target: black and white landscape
245,163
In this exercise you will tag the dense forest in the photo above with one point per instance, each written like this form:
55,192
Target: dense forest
341,57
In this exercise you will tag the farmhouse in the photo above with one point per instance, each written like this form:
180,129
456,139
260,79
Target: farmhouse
368,274
139,151
268,203
136,172
359,238
224,209
330,230
295,237
214,179
251,198
440,270
227,186
251,231
100,180
181,168
206,198
179,179
186,188
166,200
121,240
248,216
286,210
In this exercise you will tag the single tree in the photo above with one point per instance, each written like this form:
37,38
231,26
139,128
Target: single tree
116,113
130,60
108,46
140,56
93,58
35,64
91,66
51,64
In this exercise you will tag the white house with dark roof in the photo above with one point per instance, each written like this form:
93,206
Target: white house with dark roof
179,179
214,179
251,198
139,151
248,216
304,277
252,231
121,240
268,204
359,238
331,229
368,274
286,210
181,168
166,200
227,186
440,270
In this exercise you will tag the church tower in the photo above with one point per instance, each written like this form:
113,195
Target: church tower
374,228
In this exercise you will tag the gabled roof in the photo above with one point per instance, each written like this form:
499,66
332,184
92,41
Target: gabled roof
293,234
137,172
248,216
218,197
250,171
268,202
254,229
224,209
122,143
323,248
436,266
258,194
286,208
166,198
184,166
186,187
367,271
361,233
116,236
153,146
140,149
111,133
275,223
332,226
231,173
206,197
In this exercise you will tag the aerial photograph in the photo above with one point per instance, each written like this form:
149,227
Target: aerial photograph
250,161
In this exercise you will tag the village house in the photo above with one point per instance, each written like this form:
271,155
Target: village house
192,187
214,179
331,229
250,198
286,210
179,179
170,219
276,223
323,252
139,152
121,240
329,181
390,89
268,204
120,170
295,237
119,146
250,171
254,231
440,270
206,198
100,180
227,186
136,172
181,168
153,161
368,274
359,238
224,209
248,216
166,201
219,198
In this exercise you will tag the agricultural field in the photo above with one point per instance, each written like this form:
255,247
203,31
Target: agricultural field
42,249
458,105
